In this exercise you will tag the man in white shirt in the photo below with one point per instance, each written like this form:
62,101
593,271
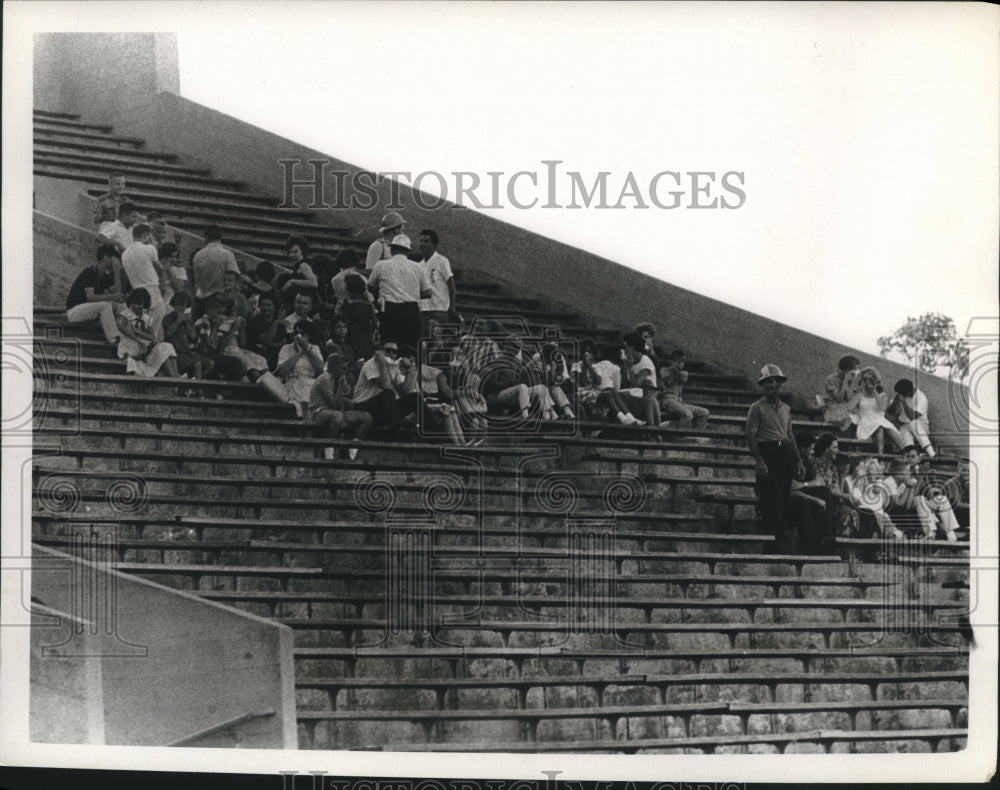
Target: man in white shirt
908,410
400,283
119,232
440,307
142,266
642,376
375,391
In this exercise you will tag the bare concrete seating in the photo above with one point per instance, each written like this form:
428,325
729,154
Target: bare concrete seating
784,742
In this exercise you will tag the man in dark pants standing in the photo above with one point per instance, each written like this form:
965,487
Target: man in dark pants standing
769,434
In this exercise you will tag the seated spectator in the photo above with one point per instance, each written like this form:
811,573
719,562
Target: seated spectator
95,295
346,262
137,344
265,334
380,249
142,267
549,367
956,488
299,363
595,388
158,230
110,202
323,269
239,305
923,497
867,410
359,313
300,276
437,409
175,277
673,378
340,343
819,506
503,367
179,331
647,332
259,282
331,405
218,339
641,375
118,232
378,386
872,497
839,389
908,411
304,309
399,284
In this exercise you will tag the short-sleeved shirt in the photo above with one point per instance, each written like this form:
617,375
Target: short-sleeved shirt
324,394
117,232
366,388
88,278
674,381
399,279
769,422
339,285
211,263
438,270
377,251
137,261
644,363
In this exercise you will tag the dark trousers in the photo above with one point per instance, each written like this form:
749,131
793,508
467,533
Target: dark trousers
400,321
774,489
811,522
384,410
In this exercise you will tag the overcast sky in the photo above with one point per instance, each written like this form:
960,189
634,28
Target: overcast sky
866,135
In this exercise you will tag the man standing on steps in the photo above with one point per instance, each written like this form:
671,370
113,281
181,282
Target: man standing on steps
400,283
440,306
392,225
769,434
211,263
108,204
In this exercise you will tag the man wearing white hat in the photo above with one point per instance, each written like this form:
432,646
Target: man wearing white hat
400,284
769,434
392,225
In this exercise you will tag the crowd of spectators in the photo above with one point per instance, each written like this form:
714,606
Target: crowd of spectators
808,491
338,340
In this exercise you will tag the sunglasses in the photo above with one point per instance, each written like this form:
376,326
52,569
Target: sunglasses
393,351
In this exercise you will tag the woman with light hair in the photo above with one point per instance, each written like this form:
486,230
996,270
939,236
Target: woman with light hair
867,410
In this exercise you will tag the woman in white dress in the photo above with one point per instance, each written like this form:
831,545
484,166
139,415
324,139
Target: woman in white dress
867,410
137,345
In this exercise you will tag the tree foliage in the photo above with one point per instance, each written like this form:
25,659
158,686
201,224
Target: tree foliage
930,342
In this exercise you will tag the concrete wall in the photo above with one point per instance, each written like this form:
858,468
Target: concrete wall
72,71
67,694
195,665
601,290
63,243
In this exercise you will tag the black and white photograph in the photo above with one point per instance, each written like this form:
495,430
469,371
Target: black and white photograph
538,391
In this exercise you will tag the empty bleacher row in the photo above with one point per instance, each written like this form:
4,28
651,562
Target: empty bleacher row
553,591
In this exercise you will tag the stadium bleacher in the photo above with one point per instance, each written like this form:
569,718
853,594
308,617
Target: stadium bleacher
557,591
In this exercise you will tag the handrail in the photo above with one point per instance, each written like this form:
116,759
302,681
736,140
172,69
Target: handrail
230,723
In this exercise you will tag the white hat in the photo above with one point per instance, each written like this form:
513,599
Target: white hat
392,220
771,372
402,240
